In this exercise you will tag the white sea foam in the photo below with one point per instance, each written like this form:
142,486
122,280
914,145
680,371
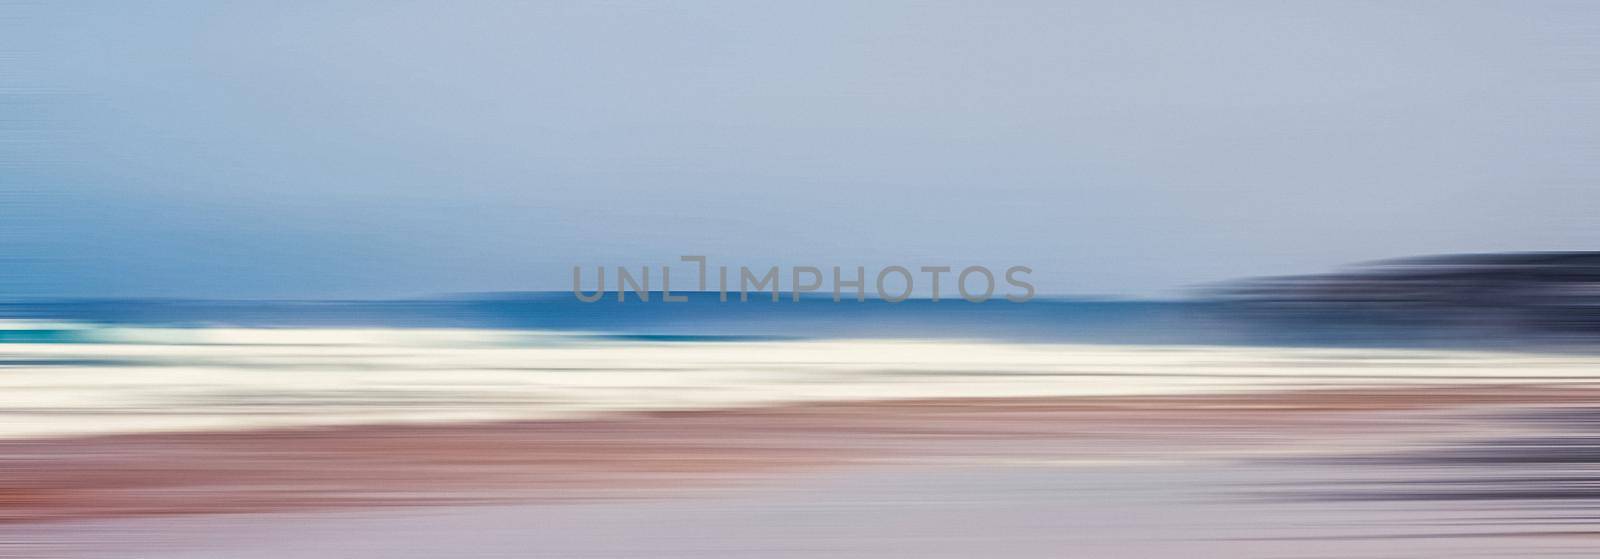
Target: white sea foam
143,379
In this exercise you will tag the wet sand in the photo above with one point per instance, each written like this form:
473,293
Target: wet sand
643,454
1045,511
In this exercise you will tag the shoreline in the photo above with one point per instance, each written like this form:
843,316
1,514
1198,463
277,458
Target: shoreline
249,379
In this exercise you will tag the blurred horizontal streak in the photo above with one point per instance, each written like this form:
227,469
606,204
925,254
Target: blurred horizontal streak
71,379
633,454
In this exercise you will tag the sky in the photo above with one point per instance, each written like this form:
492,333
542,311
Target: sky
384,149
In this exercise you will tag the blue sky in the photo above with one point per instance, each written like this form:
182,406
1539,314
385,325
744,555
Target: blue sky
375,149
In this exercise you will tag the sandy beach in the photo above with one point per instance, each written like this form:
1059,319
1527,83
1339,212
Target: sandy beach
413,443
59,491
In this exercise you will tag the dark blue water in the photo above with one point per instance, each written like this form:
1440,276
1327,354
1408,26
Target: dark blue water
704,317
